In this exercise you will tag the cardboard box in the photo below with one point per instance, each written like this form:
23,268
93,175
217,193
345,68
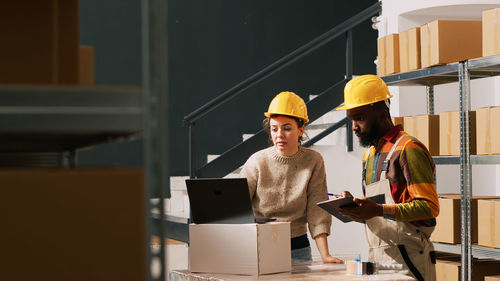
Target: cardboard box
398,121
491,32
39,42
449,133
489,222
73,224
449,270
388,55
426,129
86,66
449,41
409,50
488,137
448,223
248,249
492,278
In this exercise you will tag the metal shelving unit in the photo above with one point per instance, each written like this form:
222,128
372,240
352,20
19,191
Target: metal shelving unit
47,119
461,72
41,124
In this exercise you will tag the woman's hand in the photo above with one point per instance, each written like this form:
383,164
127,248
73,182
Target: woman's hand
330,259
322,245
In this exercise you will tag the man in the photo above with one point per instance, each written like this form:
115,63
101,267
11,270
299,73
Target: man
400,201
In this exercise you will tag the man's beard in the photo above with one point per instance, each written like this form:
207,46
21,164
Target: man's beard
370,137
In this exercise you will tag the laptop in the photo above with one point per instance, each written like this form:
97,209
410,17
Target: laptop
221,200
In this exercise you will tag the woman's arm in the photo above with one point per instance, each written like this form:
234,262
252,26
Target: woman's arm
322,245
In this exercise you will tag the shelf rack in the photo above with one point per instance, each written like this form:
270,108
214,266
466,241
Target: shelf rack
474,159
42,119
477,251
461,72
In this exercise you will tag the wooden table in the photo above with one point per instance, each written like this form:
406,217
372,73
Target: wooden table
314,271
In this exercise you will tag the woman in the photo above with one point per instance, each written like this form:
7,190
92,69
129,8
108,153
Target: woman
287,180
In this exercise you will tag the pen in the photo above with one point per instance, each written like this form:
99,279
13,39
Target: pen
336,195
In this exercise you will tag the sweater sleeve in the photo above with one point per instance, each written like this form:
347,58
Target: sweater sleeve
251,173
418,170
318,220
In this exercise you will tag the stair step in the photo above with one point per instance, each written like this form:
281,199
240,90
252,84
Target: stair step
211,157
247,136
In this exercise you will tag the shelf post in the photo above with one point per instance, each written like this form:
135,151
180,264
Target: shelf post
430,99
155,109
465,171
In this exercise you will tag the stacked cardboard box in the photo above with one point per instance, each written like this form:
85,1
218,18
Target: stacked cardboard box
409,50
388,55
449,133
398,121
426,129
86,66
73,224
449,269
40,42
488,137
449,41
448,223
248,249
492,278
491,32
489,222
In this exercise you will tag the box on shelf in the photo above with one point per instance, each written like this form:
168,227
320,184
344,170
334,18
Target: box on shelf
398,121
491,32
86,66
449,270
449,133
449,41
409,50
492,278
489,222
73,224
426,129
448,223
248,249
488,137
388,55
39,42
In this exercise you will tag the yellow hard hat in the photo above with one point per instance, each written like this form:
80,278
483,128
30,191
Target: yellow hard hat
364,90
288,103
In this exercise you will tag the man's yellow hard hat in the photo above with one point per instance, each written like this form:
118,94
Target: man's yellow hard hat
288,103
364,90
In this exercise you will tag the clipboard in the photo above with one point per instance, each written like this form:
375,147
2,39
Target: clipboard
332,206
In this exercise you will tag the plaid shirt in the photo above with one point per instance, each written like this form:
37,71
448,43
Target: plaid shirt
411,175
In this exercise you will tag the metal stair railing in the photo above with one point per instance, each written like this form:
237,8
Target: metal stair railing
317,107
343,29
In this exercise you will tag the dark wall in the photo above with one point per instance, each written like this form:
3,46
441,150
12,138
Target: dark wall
213,45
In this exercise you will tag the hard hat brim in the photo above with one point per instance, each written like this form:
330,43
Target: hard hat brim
351,106
269,114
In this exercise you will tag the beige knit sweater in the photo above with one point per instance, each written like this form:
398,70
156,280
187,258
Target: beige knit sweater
287,188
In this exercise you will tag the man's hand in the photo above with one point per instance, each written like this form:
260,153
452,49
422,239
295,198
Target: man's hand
366,210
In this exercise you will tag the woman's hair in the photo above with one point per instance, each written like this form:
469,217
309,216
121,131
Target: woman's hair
266,124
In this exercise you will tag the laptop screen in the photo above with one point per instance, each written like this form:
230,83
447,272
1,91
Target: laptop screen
220,200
